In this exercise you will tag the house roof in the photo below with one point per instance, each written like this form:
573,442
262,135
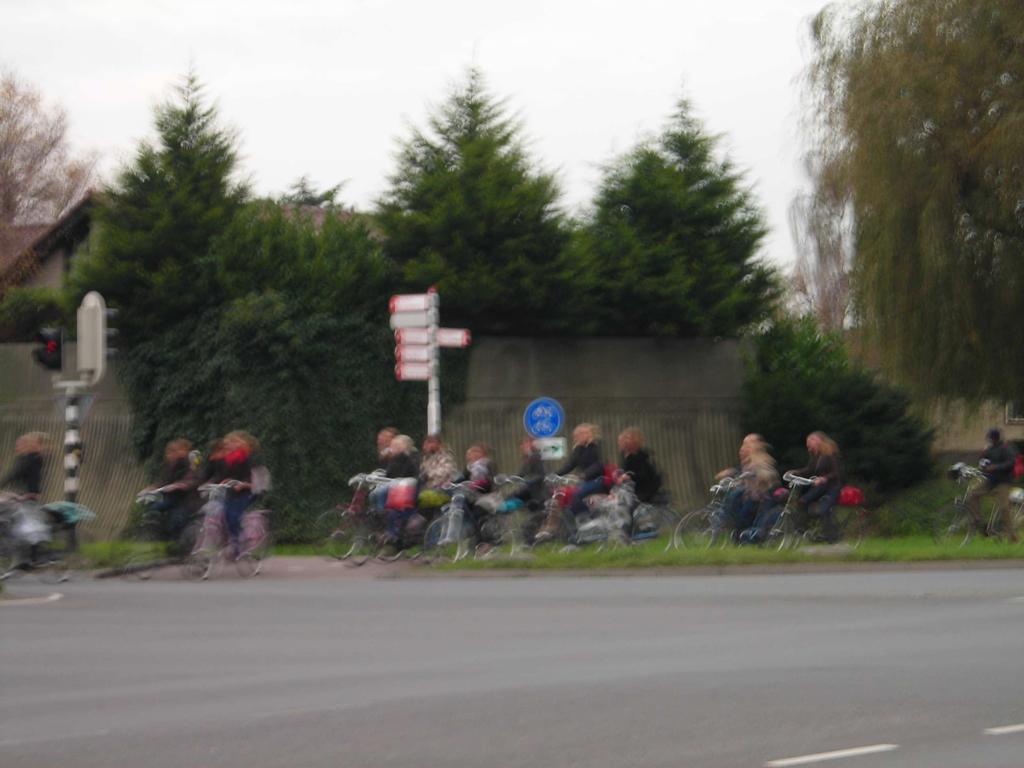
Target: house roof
23,248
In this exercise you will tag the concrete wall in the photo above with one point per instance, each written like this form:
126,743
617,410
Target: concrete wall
684,396
961,430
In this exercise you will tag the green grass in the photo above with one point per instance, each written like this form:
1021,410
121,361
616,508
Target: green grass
652,555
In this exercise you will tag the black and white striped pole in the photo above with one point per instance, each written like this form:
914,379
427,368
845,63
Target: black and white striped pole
91,365
72,445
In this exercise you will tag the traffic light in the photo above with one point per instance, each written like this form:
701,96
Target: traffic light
93,337
48,351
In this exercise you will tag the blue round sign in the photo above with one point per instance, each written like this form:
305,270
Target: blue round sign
544,417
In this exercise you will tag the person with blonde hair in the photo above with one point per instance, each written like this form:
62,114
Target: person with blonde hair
823,466
584,461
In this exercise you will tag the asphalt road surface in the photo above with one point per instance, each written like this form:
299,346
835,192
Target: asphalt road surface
854,669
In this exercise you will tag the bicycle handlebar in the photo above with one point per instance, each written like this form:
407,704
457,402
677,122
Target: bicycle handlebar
792,479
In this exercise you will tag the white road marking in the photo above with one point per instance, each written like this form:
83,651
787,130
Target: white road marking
1005,729
51,598
821,757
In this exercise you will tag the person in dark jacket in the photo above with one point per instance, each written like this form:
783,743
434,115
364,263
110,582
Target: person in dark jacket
26,476
997,463
823,465
585,462
531,493
175,476
635,461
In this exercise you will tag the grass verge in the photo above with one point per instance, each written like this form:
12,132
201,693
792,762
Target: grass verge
653,555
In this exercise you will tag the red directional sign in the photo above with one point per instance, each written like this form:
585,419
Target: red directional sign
413,353
409,302
412,336
453,337
412,371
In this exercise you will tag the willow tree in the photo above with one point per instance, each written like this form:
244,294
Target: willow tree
919,110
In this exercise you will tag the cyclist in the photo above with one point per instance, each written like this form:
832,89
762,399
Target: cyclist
823,465
738,504
402,470
996,462
175,477
531,492
635,460
29,528
384,438
477,497
586,462
27,473
437,470
239,448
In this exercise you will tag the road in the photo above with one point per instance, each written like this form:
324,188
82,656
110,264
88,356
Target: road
687,671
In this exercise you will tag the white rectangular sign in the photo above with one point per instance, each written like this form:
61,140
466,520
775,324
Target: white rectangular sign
413,353
453,337
412,371
410,319
409,302
551,448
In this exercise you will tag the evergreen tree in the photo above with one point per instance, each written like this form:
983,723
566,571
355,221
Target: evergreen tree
800,379
671,248
158,219
468,212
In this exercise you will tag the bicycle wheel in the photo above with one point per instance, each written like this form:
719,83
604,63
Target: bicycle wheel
851,523
952,525
198,563
783,534
441,543
255,544
693,531
334,532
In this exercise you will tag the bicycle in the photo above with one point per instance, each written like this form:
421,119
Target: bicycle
849,521
46,541
452,536
148,542
344,532
212,547
954,523
505,528
710,525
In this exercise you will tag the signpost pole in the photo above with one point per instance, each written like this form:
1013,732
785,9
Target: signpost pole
434,382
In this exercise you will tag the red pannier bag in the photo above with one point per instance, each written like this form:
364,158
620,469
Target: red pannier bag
851,496
402,493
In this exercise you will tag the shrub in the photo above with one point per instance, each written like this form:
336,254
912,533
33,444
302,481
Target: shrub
800,380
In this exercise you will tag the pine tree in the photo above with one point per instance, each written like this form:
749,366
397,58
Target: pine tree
468,212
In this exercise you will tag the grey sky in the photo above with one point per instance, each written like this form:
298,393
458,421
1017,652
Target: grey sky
325,88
